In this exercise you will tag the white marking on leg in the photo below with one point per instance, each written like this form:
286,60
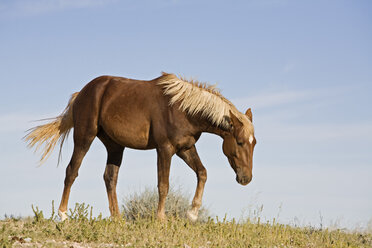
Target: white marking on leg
62,215
251,139
192,215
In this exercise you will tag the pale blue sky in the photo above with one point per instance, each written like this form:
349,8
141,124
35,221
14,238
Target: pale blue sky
305,68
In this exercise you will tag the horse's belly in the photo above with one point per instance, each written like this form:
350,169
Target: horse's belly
132,134
125,113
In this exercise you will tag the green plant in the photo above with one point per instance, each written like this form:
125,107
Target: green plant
39,216
81,212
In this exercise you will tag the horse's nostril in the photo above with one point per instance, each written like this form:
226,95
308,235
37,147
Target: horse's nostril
244,180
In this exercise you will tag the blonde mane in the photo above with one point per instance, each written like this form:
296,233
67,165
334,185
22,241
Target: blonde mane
199,98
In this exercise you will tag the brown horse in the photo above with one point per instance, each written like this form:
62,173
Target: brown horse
167,114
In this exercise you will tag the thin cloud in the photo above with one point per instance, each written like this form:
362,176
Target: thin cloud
272,99
319,132
31,8
292,97
280,116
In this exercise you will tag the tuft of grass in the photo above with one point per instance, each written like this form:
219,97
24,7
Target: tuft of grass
83,230
144,205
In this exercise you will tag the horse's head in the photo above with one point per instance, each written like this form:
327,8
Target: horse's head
238,146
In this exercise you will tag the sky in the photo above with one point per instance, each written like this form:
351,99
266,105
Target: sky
304,67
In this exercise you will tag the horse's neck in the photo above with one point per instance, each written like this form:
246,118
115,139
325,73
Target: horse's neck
207,127
203,125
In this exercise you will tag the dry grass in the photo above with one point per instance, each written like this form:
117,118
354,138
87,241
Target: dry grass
144,205
82,230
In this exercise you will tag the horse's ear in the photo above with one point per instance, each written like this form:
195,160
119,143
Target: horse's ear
236,123
248,113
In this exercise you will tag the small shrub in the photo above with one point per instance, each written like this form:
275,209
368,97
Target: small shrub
144,205
38,214
81,212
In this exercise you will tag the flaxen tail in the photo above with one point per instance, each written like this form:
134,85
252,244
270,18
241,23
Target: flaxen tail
52,132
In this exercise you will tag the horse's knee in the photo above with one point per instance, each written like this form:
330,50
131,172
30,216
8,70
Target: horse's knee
110,176
163,189
109,180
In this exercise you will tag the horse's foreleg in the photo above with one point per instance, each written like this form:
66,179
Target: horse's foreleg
192,159
164,160
111,178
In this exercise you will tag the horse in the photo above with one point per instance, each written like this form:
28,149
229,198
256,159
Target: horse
168,113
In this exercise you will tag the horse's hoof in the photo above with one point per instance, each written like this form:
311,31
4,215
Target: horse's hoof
161,217
191,215
62,215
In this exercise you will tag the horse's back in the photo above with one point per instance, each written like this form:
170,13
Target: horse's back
133,113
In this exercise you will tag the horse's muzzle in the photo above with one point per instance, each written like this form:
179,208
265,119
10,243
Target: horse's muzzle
244,180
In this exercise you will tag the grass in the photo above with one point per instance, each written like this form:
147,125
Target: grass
140,228
83,230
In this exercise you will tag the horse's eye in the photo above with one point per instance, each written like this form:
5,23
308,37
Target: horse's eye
240,143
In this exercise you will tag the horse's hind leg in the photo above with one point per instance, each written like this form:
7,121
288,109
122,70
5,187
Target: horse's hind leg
83,138
192,159
114,158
